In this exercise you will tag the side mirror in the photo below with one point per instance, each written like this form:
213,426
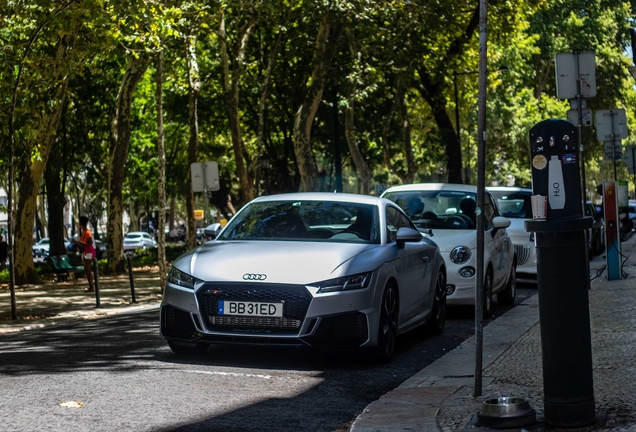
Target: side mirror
212,231
500,222
407,235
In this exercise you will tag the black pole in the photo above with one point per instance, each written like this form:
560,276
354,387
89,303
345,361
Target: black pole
96,270
132,280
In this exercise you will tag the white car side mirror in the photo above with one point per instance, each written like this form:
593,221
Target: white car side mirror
500,222
213,230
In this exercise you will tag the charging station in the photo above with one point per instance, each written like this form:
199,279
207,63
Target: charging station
562,276
612,230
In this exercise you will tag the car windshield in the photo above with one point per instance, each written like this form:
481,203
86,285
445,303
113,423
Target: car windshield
514,204
445,209
315,221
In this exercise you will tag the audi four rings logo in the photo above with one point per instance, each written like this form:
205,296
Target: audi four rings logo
250,276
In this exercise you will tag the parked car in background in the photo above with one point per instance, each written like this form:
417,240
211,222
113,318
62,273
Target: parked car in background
596,234
100,248
514,203
138,240
41,248
446,214
307,269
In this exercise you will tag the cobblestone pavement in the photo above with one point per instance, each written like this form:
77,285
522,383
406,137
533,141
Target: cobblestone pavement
518,371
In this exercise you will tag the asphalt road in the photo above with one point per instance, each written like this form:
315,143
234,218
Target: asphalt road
126,378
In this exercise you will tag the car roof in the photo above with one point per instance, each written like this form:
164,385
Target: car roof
433,187
508,189
324,196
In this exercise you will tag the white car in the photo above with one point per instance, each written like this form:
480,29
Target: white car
138,240
41,248
311,269
514,203
446,213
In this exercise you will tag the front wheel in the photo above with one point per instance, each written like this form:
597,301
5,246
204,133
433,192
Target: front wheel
507,297
437,319
387,328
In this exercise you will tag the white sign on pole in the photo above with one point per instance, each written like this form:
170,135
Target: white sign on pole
611,124
566,67
573,117
205,176
630,158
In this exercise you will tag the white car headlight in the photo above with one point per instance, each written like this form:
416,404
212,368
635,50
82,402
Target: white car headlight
180,278
460,254
344,283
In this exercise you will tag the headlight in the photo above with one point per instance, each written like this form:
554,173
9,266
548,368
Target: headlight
180,278
460,254
344,283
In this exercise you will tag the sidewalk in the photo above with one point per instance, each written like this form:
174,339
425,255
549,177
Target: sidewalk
53,302
440,396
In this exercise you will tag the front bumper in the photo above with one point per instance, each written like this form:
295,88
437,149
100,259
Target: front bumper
340,319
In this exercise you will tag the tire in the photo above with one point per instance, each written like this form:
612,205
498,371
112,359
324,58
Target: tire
507,297
387,327
437,319
198,348
488,295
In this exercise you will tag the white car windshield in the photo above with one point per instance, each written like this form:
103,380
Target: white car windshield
442,209
514,204
315,221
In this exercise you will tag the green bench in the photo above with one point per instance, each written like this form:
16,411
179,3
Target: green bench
63,268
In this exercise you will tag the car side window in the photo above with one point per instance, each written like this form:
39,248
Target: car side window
395,220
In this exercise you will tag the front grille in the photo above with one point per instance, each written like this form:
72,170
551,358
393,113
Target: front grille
523,253
341,330
295,299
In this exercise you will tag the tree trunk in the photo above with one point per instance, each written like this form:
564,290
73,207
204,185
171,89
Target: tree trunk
431,91
364,174
231,81
56,202
325,47
119,147
194,81
34,171
161,176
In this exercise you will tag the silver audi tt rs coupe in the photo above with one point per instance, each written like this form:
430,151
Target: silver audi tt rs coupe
307,269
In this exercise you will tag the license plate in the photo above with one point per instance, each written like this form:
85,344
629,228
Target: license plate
228,307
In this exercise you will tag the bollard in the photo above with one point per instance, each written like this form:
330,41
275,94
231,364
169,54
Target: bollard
96,271
132,280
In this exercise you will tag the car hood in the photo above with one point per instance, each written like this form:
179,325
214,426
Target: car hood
448,239
281,262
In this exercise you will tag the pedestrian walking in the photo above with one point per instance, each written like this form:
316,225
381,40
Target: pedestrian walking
4,253
88,250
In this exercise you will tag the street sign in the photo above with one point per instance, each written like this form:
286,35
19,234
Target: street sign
611,125
586,119
205,176
566,78
613,150
379,188
630,158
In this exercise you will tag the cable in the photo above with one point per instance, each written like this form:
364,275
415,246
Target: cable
599,272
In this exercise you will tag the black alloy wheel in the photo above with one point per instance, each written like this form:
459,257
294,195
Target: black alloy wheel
507,297
437,319
387,330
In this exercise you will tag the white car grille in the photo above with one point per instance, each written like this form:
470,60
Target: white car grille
524,253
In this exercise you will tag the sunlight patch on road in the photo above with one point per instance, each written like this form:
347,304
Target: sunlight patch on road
227,374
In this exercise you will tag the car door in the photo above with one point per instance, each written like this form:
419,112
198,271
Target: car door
413,264
501,255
